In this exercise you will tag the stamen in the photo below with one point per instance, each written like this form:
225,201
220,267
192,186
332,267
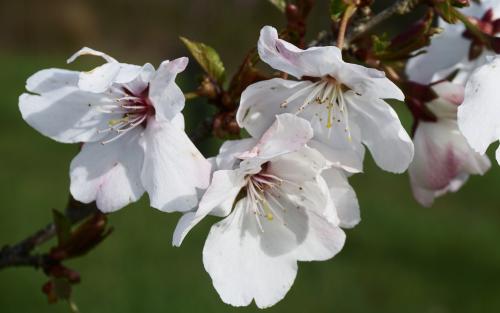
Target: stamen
298,93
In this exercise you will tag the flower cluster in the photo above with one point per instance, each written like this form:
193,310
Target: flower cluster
283,193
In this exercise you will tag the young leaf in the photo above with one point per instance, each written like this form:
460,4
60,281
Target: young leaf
208,59
63,227
337,8
279,4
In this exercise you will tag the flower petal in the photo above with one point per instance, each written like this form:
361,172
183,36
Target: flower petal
283,56
109,174
218,200
173,167
445,51
381,132
323,241
344,197
62,111
288,133
262,101
102,77
230,150
90,51
167,98
240,269
368,82
442,161
478,116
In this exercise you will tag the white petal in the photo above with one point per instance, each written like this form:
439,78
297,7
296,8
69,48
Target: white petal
288,133
283,56
344,198
382,132
217,200
262,101
167,98
102,77
173,168
61,110
479,114
240,269
324,240
341,148
230,150
89,51
445,51
368,82
108,174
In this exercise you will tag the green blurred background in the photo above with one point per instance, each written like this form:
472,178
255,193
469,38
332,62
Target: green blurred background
401,258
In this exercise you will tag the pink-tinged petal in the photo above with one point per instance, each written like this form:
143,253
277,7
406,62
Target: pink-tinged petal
381,132
450,92
167,98
442,161
60,110
479,114
173,167
283,56
109,174
241,270
368,82
218,200
288,133
344,197
262,101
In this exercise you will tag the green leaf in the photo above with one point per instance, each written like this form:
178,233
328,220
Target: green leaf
337,8
279,4
208,59
381,43
63,227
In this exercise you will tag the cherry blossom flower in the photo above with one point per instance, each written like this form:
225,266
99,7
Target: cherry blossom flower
343,102
455,48
443,160
129,119
277,209
479,115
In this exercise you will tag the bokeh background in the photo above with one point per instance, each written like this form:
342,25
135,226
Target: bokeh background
401,258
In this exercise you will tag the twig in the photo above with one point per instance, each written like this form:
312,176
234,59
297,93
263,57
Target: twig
400,7
20,253
343,25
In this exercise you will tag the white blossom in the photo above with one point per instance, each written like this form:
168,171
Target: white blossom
443,160
343,102
277,210
449,50
479,115
129,119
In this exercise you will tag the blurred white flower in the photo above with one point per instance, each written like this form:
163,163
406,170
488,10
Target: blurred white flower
443,160
455,48
278,209
129,119
343,101
479,115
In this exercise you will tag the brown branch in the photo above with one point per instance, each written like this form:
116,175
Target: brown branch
20,253
400,7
